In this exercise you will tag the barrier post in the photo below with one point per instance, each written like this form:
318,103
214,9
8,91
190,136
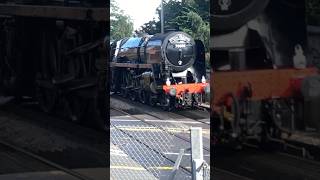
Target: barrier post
196,153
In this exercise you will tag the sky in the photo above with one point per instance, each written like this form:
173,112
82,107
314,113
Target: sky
140,11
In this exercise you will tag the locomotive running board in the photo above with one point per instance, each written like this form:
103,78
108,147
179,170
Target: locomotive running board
130,65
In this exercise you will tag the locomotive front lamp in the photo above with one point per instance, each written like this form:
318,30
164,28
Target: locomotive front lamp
168,82
203,79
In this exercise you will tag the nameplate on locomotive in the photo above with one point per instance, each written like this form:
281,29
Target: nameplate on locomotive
179,41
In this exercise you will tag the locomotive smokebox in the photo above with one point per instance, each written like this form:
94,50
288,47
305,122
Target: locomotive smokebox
230,15
178,50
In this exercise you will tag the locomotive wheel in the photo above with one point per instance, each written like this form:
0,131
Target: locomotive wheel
124,92
143,96
168,103
9,83
195,100
77,107
152,101
95,117
231,114
47,98
133,95
8,78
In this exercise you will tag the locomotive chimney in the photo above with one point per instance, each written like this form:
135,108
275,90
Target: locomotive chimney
170,30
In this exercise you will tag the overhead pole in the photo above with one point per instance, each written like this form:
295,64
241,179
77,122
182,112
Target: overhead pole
161,18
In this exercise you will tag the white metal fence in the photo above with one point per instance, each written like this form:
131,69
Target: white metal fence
145,151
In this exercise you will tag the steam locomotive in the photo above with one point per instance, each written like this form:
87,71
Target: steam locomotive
165,69
55,55
261,76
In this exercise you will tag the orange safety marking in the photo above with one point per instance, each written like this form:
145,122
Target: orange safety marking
264,84
193,88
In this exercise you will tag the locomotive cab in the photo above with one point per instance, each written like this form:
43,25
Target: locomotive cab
250,54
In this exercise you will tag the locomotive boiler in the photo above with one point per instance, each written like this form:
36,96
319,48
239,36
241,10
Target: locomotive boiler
260,69
166,69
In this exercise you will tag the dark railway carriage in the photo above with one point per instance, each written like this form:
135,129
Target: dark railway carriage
167,68
261,69
56,53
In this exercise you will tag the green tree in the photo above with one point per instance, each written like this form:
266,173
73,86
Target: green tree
190,16
192,23
121,25
151,27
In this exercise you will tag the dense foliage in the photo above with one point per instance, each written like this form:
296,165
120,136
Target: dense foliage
121,25
190,16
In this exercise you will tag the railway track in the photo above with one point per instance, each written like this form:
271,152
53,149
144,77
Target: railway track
201,116
64,146
285,161
160,117
45,161
156,125
256,164
30,111
192,114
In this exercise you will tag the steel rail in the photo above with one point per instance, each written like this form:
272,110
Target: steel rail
46,161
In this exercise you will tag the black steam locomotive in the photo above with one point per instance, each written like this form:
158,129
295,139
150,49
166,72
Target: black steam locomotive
261,69
166,69
54,52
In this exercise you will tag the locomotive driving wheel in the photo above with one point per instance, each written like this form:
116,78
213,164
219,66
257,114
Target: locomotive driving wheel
168,102
133,95
77,107
47,98
143,98
124,87
46,91
8,78
230,119
124,92
152,100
